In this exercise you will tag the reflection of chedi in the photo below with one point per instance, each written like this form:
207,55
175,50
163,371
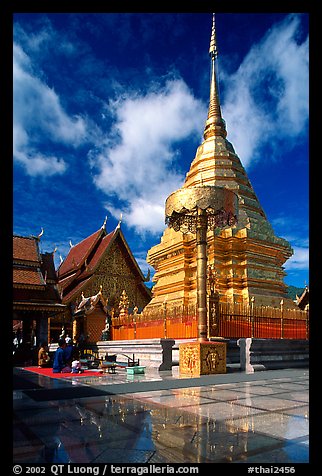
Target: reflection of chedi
248,258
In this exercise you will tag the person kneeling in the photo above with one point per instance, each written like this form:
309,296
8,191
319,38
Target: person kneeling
43,357
59,364
77,367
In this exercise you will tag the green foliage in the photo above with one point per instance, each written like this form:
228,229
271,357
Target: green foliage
292,291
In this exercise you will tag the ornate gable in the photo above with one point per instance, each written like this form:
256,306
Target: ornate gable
109,263
117,270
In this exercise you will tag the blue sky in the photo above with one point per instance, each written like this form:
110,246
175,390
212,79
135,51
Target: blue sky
110,108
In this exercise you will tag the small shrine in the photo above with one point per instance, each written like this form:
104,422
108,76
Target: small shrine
91,320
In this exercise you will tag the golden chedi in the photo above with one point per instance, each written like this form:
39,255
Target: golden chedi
248,258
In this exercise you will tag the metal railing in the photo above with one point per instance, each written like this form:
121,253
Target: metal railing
229,321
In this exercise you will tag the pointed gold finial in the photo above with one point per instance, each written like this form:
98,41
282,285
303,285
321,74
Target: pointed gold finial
215,125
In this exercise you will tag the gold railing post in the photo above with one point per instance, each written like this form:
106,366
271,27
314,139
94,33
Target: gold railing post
164,305
282,323
195,210
252,314
201,244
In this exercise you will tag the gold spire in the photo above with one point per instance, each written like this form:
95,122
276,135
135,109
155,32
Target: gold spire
213,41
215,125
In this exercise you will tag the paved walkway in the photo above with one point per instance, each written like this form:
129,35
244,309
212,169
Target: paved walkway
162,418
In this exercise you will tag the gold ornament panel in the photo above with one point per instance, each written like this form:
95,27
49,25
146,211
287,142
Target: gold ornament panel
116,273
202,358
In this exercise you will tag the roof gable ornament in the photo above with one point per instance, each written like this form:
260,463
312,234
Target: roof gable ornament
104,224
148,276
40,234
120,221
89,303
71,244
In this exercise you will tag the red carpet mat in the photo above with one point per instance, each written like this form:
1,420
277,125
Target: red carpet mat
49,373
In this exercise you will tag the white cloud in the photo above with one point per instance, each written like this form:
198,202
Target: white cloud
143,264
299,260
37,116
138,166
291,229
267,97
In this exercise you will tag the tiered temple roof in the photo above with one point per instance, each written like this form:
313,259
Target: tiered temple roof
80,266
34,277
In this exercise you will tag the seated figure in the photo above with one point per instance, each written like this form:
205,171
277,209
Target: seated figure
43,356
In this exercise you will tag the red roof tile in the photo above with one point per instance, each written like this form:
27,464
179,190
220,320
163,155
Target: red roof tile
25,249
28,276
78,253
100,251
63,283
48,266
75,290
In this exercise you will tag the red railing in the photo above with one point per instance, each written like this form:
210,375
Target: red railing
174,328
232,321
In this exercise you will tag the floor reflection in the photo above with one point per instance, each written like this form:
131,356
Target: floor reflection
225,423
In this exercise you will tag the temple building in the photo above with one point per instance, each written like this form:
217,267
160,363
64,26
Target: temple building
92,278
35,293
247,259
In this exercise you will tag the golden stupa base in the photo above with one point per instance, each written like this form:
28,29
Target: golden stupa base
202,358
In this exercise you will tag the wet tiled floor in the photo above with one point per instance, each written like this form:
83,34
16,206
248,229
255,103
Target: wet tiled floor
160,418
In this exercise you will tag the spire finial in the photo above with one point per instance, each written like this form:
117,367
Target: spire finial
215,125
213,42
